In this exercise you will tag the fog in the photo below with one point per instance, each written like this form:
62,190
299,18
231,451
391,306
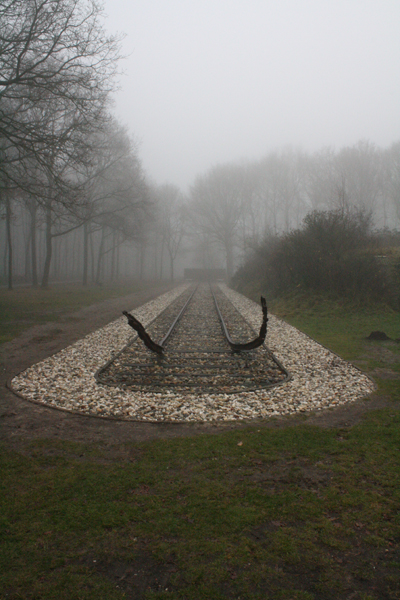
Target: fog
212,81
232,121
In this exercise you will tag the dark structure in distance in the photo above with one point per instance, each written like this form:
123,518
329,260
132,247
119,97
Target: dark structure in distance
198,274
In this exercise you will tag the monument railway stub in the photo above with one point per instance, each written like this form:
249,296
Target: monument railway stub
198,274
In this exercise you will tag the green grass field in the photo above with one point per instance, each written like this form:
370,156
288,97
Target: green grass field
24,307
342,327
263,513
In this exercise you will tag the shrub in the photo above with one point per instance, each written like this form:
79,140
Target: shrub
333,253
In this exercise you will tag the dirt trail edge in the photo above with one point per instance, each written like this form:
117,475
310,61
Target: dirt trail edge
22,421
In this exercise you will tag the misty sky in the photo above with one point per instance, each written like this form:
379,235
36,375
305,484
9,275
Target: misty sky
212,81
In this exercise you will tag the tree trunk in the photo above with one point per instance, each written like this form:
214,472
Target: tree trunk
5,257
33,212
117,258
229,258
28,264
171,267
112,268
162,258
155,268
100,257
49,247
56,263
92,261
9,243
142,255
85,252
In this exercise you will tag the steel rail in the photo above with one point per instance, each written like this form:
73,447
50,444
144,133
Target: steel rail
159,348
178,318
258,341
173,365
144,336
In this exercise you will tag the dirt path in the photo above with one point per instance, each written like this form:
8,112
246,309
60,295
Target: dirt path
21,421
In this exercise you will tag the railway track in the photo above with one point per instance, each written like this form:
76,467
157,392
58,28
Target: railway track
198,335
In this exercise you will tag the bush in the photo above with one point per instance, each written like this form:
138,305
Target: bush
333,253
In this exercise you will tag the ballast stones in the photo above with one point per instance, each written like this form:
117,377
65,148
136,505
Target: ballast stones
67,380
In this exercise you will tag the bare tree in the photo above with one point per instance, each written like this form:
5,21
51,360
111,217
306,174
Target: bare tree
54,49
352,177
172,217
117,193
280,188
360,168
217,202
56,71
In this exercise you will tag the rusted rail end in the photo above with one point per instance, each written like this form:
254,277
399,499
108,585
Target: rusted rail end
142,333
258,341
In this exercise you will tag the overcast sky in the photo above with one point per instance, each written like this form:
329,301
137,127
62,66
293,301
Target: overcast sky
212,81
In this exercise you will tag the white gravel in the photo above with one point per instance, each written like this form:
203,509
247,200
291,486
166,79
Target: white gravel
66,380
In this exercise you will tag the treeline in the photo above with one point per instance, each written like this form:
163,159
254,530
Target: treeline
120,225
236,206
75,202
73,195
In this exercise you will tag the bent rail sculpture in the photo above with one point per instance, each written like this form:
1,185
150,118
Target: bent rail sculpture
142,333
159,348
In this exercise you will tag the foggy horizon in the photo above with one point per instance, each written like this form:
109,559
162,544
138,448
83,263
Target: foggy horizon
213,93
207,83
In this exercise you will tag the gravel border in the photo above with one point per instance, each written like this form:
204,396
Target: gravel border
320,379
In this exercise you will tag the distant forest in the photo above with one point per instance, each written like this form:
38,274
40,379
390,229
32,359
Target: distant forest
75,203
115,225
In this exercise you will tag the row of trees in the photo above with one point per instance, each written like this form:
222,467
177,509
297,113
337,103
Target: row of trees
64,162
238,205
72,185
74,200
132,228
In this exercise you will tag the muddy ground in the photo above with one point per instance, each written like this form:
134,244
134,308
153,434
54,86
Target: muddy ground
21,420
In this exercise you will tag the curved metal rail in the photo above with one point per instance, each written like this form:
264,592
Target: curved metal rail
159,348
258,341
144,336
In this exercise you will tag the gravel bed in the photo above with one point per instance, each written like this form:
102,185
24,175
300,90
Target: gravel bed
67,380
197,356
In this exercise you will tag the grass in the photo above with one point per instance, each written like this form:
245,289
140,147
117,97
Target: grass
341,326
24,307
265,513
292,513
